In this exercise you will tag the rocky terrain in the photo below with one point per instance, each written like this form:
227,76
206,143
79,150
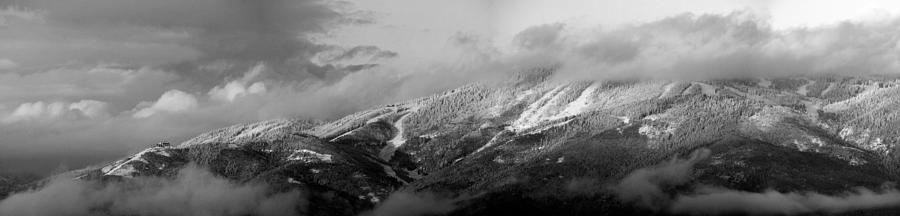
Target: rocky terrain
532,146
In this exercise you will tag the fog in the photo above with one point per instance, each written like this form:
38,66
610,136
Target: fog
652,188
194,191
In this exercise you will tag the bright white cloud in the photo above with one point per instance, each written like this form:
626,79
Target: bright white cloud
50,111
240,87
170,102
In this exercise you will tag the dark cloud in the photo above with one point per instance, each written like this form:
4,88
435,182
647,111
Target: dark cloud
192,192
372,52
715,46
183,36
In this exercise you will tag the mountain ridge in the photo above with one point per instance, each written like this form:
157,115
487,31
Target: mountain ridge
558,148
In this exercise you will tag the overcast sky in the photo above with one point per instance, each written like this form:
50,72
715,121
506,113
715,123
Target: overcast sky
84,81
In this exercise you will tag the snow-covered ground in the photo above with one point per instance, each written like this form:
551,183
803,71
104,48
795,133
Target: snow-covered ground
309,156
125,168
552,106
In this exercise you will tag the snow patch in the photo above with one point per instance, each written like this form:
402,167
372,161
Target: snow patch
125,168
537,111
310,156
584,100
294,181
655,132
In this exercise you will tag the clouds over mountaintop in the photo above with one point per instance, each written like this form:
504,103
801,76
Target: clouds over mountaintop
175,68
717,46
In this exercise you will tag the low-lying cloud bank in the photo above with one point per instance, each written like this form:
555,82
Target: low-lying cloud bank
408,203
711,200
193,192
646,187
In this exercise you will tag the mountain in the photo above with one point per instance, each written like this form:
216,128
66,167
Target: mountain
534,146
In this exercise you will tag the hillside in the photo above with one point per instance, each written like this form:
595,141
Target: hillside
531,146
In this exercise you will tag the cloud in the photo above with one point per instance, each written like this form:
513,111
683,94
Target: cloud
356,55
538,37
6,64
176,35
240,87
41,111
737,45
650,188
121,87
645,186
193,192
720,201
172,101
406,203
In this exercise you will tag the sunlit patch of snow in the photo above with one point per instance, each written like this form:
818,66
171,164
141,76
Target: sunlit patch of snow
846,132
537,130
125,168
294,181
809,144
581,103
879,146
499,160
654,132
163,153
538,111
310,156
494,140
859,138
